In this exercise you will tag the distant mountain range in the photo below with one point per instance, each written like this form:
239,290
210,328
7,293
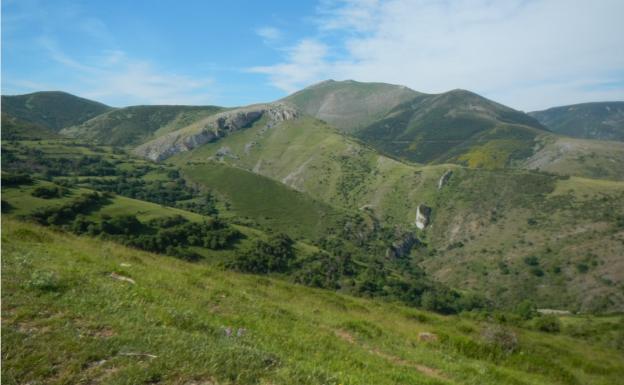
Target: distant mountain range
603,120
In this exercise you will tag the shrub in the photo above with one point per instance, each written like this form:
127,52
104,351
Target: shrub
500,337
548,323
275,255
44,281
48,192
531,260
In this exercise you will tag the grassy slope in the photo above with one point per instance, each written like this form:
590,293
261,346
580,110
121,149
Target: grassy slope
17,129
487,212
350,105
137,124
53,110
65,320
579,157
603,120
486,223
265,201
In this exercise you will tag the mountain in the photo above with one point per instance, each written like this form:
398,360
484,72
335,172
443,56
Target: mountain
53,110
602,120
137,124
350,105
457,126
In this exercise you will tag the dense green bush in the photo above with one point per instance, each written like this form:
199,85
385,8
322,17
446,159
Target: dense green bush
48,192
272,256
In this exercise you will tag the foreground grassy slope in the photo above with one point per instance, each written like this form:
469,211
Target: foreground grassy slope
601,120
66,320
137,124
52,109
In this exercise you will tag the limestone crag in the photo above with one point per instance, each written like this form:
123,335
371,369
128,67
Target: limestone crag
213,128
444,178
423,214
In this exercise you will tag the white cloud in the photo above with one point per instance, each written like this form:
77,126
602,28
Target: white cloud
269,34
115,76
305,64
528,54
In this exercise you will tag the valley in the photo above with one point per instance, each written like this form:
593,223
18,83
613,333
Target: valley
367,200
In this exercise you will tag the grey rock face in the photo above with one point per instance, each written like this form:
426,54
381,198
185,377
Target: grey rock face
423,214
214,128
444,179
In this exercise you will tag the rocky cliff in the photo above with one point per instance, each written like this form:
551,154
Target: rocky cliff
214,128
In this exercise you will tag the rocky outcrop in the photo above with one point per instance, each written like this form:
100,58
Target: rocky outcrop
214,128
423,214
444,179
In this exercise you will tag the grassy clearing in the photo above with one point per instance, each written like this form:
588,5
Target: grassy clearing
66,320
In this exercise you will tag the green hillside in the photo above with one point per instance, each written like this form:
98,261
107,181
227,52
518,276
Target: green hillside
264,201
78,310
350,105
457,126
137,124
598,159
481,220
51,109
602,120
17,129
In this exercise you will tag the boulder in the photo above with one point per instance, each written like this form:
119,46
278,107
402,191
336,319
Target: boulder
427,337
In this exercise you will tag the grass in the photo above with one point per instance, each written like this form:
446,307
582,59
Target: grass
65,320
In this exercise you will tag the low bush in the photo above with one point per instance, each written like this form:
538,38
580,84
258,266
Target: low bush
548,323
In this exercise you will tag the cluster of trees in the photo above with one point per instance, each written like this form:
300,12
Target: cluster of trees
49,192
14,180
58,215
174,235
275,255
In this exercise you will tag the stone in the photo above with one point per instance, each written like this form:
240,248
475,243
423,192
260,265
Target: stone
427,337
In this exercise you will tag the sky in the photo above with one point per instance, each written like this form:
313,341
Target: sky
527,54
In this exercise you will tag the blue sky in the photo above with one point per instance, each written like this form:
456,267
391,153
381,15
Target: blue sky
528,54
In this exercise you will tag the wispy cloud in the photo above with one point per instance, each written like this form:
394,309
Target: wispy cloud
305,63
96,68
269,34
113,75
506,50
